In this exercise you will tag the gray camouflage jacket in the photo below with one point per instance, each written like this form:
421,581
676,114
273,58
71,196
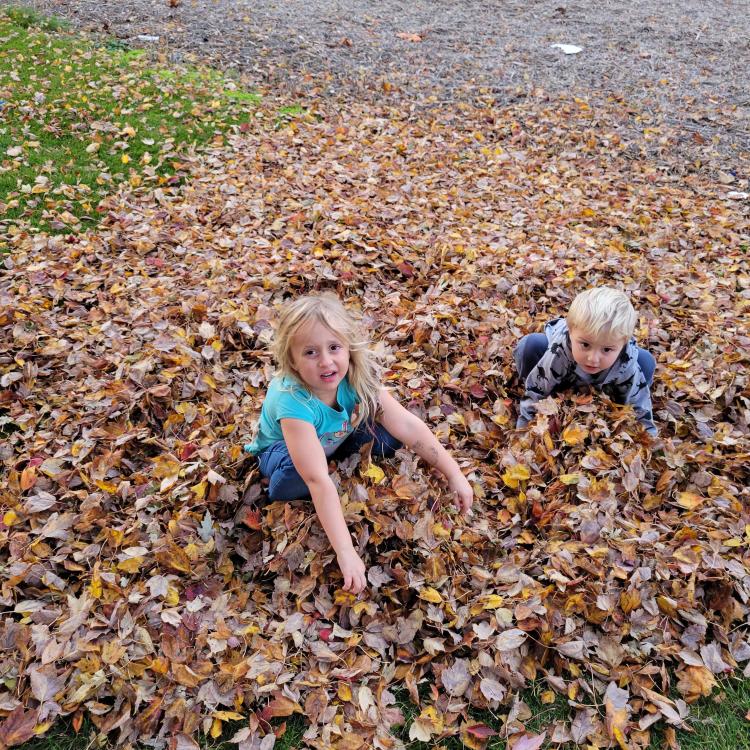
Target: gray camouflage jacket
624,382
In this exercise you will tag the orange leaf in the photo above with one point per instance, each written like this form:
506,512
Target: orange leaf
689,500
574,434
695,683
28,477
281,706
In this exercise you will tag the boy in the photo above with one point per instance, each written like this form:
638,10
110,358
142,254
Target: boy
593,346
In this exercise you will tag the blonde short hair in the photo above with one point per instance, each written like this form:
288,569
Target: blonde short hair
364,371
603,312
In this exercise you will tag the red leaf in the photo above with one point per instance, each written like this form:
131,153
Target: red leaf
251,518
477,391
406,268
187,450
481,730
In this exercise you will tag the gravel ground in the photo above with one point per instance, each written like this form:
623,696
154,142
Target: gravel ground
684,61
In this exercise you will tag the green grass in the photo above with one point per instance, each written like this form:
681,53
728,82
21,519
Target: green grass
720,722
286,114
79,119
27,17
717,723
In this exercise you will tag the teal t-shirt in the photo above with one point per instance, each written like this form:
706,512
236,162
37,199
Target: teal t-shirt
287,398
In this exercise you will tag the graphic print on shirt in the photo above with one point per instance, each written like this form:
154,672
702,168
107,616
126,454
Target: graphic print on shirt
331,440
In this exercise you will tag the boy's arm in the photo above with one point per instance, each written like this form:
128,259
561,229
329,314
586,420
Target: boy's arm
416,435
539,384
309,459
640,399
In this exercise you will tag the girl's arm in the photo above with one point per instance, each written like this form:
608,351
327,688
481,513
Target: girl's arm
415,434
309,459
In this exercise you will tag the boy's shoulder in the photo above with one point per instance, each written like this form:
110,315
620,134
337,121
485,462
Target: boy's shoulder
556,331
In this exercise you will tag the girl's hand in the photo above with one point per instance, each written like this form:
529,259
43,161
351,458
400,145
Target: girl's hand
464,494
353,570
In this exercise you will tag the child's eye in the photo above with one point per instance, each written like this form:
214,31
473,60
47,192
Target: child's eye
607,349
584,344
309,352
335,347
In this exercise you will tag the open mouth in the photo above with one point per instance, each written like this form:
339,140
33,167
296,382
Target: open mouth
328,375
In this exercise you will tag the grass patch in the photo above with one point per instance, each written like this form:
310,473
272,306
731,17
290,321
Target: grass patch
286,114
28,17
718,723
79,119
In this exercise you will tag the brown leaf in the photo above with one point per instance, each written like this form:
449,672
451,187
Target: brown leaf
18,727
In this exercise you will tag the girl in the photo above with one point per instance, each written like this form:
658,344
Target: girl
326,402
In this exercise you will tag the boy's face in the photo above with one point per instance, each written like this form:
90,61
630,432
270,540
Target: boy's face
594,354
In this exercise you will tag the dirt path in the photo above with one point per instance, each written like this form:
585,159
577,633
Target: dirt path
683,62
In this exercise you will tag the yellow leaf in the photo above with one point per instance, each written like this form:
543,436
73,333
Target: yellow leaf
344,597
573,478
375,473
124,158
172,599
160,665
106,486
492,601
689,500
620,737
430,595
547,697
345,692
115,536
131,564
215,728
95,587
42,728
227,716
574,434
630,600
667,606
10,517
515,474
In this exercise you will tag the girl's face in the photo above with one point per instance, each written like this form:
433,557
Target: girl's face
594,354
320,359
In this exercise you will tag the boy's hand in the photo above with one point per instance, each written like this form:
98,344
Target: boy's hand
463,492
353,570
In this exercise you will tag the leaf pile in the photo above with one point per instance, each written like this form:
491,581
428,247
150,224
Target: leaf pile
146,583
